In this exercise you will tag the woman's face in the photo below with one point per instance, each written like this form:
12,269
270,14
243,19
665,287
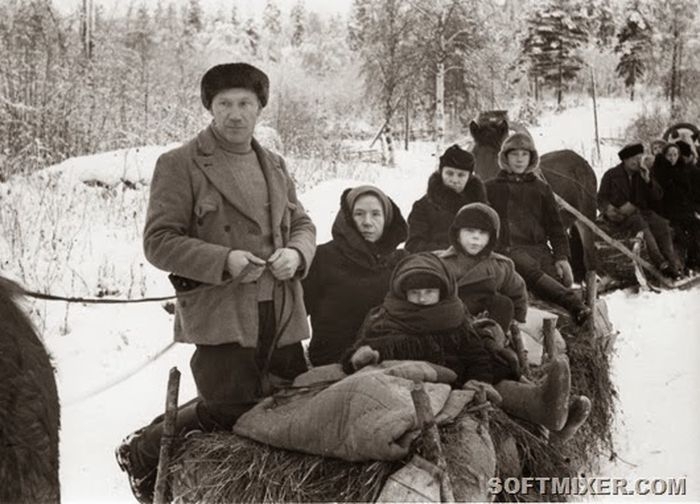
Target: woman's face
368,215
672,155
454,179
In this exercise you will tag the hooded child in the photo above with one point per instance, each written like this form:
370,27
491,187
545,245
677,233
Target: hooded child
532,234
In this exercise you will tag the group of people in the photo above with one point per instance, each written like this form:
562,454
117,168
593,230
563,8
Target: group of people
659,195
224,220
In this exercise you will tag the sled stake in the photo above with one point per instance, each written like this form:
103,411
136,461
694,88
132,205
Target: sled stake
431,439
166,440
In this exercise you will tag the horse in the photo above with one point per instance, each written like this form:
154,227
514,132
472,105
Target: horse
29,407
568,174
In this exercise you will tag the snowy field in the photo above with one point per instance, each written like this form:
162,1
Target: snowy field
85,240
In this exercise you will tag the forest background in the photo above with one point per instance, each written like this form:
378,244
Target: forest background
85,79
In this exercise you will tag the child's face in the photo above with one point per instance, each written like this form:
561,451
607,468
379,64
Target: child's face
473,240
518,160
672,155
424,297
455,179
656,148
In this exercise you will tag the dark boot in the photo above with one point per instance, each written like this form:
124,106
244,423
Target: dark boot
579,410
551,290
138,454
544,404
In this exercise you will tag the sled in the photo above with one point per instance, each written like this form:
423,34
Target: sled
480,443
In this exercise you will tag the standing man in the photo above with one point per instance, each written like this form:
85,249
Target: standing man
223,218
626,196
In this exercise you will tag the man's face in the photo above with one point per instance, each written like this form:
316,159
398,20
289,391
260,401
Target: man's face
368,215
454,178
518,160
633,163
235,113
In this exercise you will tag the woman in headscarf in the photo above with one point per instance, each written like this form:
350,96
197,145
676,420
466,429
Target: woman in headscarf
680,203
350,274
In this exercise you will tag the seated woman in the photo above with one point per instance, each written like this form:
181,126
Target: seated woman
486,281
350,274
422,318
450,188
680,203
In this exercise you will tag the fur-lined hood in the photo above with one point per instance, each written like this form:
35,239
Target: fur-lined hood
518,141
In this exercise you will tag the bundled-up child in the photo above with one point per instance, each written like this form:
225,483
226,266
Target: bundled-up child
533,235
422,318
450,188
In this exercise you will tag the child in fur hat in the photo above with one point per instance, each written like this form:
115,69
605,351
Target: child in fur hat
533,235
422,318
454,185
486,281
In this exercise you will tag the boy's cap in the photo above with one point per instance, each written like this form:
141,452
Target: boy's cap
630,150
456,157
477,216
234,75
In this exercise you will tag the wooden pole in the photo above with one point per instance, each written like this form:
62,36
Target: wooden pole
591,296
549,325
166,440
431,439
614,243
595,116
516,339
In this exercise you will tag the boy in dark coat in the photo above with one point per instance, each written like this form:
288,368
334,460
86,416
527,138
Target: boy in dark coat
350,274
486,281
533,235
450,188
422,318
626,197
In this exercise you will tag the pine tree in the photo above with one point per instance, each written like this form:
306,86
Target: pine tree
555,33
634,46
194,18
272,29
358,23
252,36
298,15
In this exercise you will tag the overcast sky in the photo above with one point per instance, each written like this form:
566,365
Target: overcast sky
245,7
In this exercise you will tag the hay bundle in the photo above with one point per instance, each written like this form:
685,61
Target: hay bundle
224,467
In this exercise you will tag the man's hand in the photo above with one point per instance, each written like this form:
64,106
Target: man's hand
238,260
564,272
627,209
284,263
613,214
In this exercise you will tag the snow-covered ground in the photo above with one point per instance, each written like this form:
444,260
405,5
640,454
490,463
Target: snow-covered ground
63,236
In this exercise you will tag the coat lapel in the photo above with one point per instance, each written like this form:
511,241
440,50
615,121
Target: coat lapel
276,186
